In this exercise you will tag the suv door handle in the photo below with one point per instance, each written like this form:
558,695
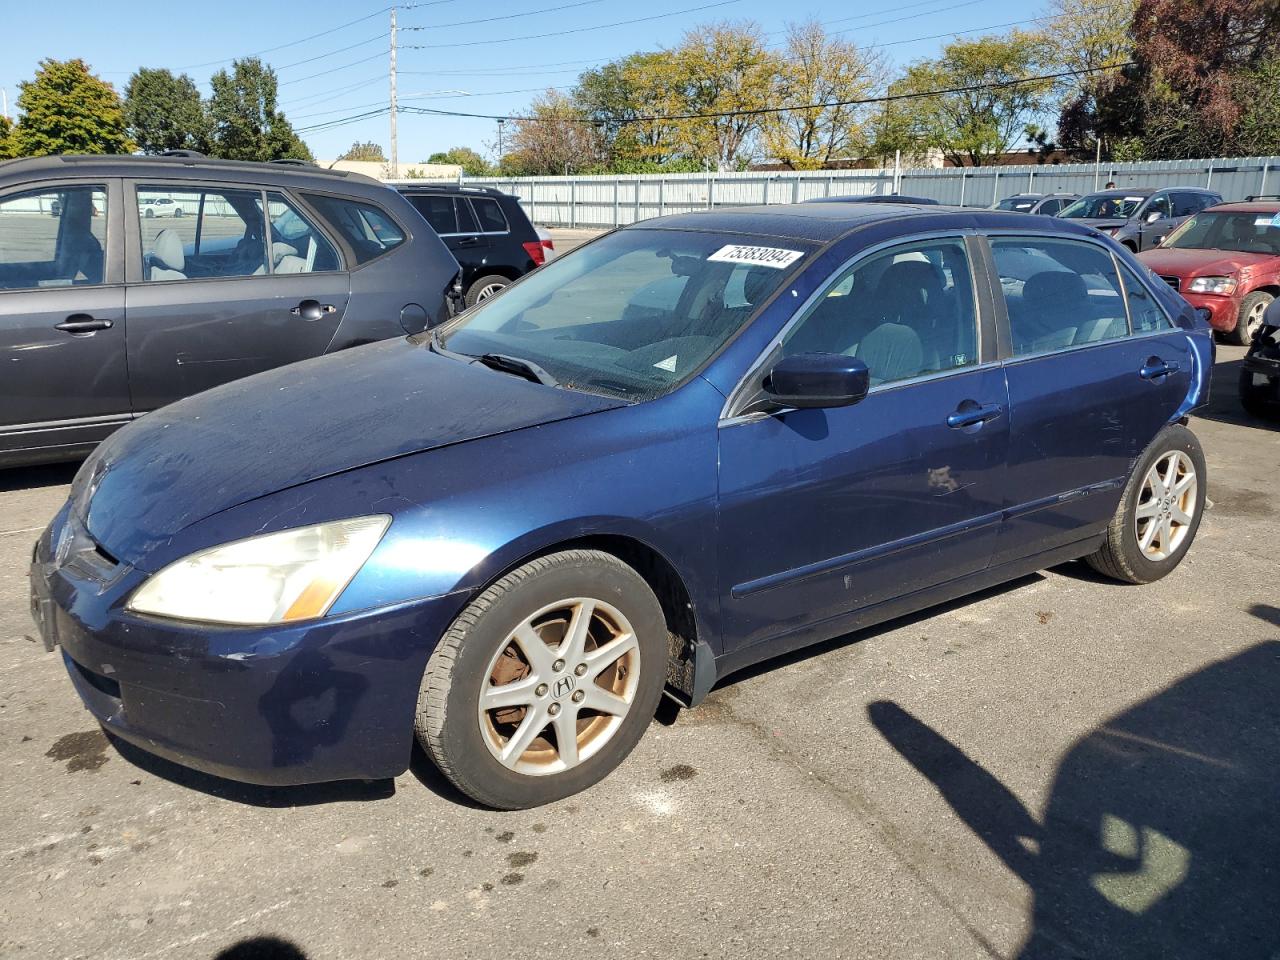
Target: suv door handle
469,242
971,414
82,323
1155,368
312,310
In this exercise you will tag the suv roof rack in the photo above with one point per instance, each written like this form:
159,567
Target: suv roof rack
451,185
182,153
1260,196
294,162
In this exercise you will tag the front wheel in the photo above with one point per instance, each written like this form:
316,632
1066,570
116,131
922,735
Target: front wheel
1160,511
546,681
1249,319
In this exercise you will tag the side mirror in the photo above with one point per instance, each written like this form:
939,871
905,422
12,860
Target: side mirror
1154,215
818,380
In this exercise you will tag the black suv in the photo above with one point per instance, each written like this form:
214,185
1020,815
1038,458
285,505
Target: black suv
485,229
107,313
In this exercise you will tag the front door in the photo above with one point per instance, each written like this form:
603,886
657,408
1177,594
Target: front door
62,321
224,291
827,512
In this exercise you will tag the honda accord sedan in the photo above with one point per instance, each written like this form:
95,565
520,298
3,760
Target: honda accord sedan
688,446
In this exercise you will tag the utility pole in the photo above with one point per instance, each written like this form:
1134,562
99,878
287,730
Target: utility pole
395,155
500,123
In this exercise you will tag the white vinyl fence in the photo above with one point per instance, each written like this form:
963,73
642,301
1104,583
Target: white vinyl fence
609,200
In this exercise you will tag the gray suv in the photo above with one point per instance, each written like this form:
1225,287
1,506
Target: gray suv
108,310
1140,217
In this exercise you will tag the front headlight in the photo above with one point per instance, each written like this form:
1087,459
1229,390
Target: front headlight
276,578
1222,285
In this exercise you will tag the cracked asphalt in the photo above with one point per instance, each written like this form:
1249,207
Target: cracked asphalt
1061,767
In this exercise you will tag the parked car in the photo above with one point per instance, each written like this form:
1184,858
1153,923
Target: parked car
547,241
1260,371
1043,204
161,207
486,230
685,447
1140,217
1225,259
105,317
874,198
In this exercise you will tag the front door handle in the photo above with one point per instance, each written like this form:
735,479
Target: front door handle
312,310
469,242
1156,369
970,414
79,323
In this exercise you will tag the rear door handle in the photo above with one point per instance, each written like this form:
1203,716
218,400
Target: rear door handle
1155,368
82,323
971,414
312,310
469,242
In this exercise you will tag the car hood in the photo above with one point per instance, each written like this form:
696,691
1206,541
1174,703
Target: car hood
1201,263
269,432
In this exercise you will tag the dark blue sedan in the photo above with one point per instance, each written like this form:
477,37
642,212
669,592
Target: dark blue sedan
692,444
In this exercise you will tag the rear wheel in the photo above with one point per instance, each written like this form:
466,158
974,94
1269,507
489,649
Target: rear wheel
1159,513
1249,319
546,682
485,287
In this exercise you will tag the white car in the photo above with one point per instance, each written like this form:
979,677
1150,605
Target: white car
161,207
548,245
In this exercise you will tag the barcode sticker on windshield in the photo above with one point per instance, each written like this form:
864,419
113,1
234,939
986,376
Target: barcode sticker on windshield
774,257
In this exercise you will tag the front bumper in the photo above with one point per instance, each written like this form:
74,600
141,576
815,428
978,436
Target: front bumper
1223,311
331,699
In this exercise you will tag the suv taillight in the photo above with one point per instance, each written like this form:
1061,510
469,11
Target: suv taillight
535,251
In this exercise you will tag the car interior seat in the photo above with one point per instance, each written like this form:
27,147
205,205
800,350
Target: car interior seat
892,351
1054,306
167,258
80,254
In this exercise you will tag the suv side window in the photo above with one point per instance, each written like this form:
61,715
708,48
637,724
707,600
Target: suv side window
1059,293
1158,204
367,228
905,312
466,217
205,233
490,215
1145,315
1188,204
296,245
437,210
53,238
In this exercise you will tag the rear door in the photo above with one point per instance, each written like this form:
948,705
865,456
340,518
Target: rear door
245,282
62,319
1095,369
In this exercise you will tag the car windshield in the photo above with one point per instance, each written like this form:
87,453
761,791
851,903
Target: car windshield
1103,206
1246,232
631,315
1021,204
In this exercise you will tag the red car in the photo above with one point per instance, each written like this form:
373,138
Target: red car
1226,259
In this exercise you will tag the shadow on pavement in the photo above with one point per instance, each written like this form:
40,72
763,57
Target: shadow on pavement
262,948
1224,399
1161,837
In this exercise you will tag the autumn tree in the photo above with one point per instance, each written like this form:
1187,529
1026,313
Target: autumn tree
163,112
66,109
368,151
556,138
620,98
1092,38
819,69
247,125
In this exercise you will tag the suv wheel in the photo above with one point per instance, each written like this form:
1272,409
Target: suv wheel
546,681
1160,511
1249,320
1261,400
485,287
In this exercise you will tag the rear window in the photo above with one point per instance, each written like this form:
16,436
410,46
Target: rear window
368,229
490,215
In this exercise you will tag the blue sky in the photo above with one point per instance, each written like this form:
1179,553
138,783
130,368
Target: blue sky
471,67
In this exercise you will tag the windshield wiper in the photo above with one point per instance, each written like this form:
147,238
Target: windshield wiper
518,366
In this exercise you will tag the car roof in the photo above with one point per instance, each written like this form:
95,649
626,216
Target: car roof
179,167
824,222
1247,206
450,188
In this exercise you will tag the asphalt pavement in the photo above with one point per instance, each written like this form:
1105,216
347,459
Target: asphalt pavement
1060,767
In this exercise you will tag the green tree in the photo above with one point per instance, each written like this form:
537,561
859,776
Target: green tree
66,109
6,145
163,112
472,164
246,122
368,151
1089,36
619,97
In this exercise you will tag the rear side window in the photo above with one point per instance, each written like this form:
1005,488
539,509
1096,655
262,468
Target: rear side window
367,228
296,245
490,215
438,211
1059,293
1144,312
53,238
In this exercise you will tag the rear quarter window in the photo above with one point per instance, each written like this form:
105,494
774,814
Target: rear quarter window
368,229
490,215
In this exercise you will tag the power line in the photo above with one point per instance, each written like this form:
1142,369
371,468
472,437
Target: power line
508,16
310,98
291,43
330,53
343,121
325,73
561,33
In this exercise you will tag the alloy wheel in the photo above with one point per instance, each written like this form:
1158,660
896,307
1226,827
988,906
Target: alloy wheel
558,688
1253,322
488,290
1166,505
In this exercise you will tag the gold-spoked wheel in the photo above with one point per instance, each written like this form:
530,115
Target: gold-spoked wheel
559,686
1166,505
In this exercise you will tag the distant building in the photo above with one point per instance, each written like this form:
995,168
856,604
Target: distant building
380,170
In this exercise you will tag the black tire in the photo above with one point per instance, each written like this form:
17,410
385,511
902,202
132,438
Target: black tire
447,722
488,281
150,214
178,213
1239,334
1120,556
1262,401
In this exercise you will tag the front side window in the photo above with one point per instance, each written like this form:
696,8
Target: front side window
368,229
53,238
1059,293
1242,232
201,234
633,314
906,312
1103,206
1019,204
1158,208
1145,314
296,245
1186,204
490,215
